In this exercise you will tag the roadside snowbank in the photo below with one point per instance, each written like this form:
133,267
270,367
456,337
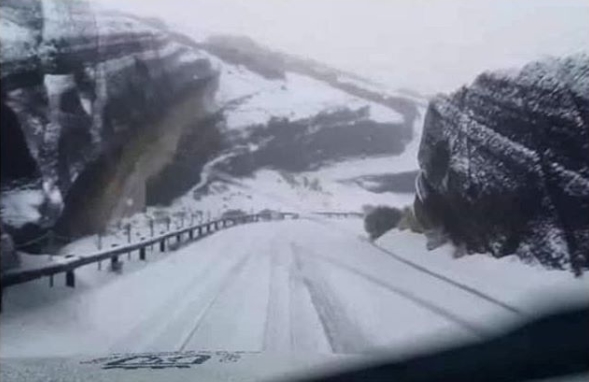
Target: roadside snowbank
530,286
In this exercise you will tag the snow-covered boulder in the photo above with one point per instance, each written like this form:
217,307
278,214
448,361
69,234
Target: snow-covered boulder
505,163
93,104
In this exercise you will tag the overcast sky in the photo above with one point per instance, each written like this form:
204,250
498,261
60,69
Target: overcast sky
426,45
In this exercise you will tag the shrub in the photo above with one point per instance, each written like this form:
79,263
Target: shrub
381,219
409,221
235,213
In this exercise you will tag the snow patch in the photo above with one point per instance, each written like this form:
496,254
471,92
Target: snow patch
20,207
508,278
258,99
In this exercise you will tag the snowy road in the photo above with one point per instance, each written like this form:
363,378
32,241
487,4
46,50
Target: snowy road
291,286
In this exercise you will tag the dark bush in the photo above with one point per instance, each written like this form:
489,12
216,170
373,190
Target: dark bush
235,213
381,219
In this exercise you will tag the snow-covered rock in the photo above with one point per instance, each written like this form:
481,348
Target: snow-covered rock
85,94
506,163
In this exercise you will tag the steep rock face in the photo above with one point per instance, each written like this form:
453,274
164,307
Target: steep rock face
505,163
94,103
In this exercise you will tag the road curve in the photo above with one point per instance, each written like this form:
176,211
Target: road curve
289,287
300,286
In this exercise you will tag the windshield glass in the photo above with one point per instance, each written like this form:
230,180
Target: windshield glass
300,181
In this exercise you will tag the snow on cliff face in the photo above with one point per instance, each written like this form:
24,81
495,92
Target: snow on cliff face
80,85
507,162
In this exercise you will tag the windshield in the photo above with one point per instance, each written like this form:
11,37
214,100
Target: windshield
307,181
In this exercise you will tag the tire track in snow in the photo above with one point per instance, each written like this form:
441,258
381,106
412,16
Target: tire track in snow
278,326
292,322
452,282
475,329
165,327
429,272
135,337
343,335
227,281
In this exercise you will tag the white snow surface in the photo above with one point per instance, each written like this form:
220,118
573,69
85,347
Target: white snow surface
257,99
284,191
296,286
364,83
528,285
20,207
311,191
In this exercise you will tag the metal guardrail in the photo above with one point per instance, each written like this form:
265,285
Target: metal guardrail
340,214
69,263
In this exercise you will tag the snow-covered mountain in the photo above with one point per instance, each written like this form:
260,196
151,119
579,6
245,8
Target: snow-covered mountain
107,113
300,135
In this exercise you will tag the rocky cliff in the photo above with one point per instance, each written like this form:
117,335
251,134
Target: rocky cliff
94,104
505,163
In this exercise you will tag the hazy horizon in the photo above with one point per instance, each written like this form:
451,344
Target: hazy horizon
428,46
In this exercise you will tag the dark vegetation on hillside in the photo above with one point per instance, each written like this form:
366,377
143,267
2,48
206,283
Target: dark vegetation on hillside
306,144
199,144
403,182
381,219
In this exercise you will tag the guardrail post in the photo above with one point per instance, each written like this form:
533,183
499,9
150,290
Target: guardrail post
113,262
163,245
70,279
50,281
142,253
200,231
191,234
99,239
179,238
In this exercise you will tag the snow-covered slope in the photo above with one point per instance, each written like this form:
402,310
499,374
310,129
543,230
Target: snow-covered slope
253,100
281,127
294,138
